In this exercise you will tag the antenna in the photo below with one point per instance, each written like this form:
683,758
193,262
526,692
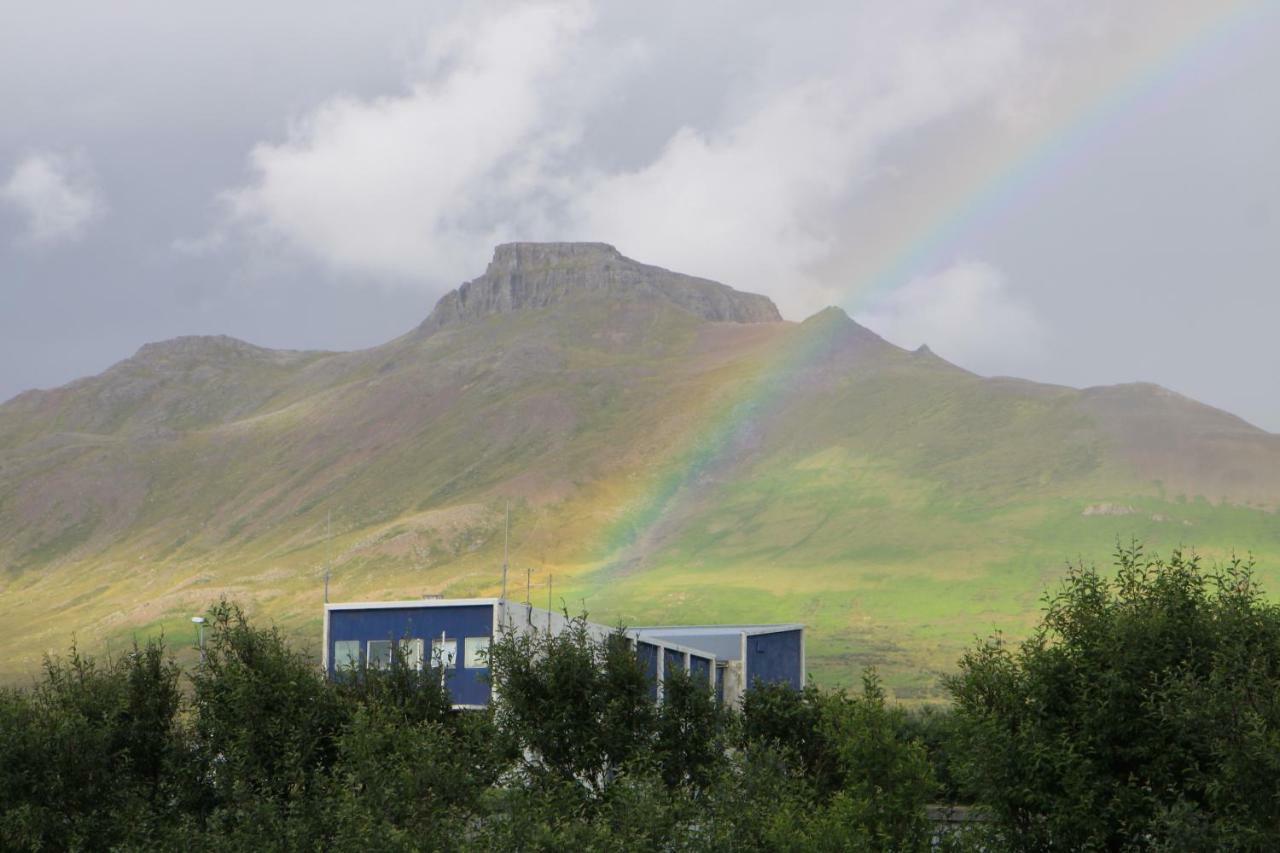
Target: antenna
328,554
550,578
506,541
443,662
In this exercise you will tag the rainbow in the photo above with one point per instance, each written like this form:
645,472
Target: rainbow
712,444
978,205
993,195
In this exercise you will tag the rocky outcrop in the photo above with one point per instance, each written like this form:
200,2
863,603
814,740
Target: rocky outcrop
1108,509
525,276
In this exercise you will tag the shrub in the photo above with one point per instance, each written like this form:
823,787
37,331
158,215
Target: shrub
87,757
1144,711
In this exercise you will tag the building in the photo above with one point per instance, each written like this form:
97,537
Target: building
457,633
743,654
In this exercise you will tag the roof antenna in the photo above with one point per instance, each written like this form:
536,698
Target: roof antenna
506,538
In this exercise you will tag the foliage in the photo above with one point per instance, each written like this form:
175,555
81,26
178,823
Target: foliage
578,706
1144,712
266,753
264,722
870,779
87,758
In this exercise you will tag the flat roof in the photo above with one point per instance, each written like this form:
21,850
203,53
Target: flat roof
643,632
710,630
413,602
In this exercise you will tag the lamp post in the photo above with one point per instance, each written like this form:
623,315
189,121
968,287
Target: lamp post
199,623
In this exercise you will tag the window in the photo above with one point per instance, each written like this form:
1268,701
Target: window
346,655
444,653
477,651
379,654
411,652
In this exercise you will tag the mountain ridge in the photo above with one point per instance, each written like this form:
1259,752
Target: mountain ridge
741,469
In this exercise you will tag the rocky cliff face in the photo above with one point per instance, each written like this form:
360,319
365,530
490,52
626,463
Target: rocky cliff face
536,275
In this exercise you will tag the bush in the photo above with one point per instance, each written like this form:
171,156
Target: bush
869,776
1143,712
576,706
87,757
265,721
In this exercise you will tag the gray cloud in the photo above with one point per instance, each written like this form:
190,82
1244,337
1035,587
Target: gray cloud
486,143
988,178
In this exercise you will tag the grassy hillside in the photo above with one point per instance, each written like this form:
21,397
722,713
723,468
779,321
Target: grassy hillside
660,466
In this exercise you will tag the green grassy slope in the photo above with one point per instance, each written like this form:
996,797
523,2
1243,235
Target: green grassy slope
659,466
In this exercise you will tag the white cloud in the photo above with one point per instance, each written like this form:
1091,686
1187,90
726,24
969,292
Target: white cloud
842,136
407,185
967,314
485,145
760,196
56,196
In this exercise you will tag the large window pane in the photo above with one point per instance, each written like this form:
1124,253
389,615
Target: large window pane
379,654
346,655
444,653
411,651
477,652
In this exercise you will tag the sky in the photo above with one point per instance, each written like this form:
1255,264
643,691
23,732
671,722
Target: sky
1080,192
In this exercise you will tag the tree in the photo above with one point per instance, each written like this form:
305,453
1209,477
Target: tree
869,776
1144,711
265,719
577,706
87,757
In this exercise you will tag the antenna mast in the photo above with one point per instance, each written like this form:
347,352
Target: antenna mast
506,541
328,554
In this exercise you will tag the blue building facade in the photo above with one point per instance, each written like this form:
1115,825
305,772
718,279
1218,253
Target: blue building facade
455,634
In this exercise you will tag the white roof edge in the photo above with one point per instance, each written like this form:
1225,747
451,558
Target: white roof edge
414,602
741,629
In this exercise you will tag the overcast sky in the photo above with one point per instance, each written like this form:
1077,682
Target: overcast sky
1074,192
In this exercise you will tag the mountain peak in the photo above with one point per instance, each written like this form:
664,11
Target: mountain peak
526,276
835,324
204,352
513,255
195,346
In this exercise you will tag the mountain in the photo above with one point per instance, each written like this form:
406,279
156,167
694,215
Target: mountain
670,448
537,275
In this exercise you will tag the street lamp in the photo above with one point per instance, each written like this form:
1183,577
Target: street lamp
199,622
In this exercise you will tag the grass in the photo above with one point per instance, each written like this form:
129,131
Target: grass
900,508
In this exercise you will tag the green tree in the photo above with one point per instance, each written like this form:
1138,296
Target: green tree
870,778
265,720
688,731
577,706
887,777
1143,712
87,756
792,720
